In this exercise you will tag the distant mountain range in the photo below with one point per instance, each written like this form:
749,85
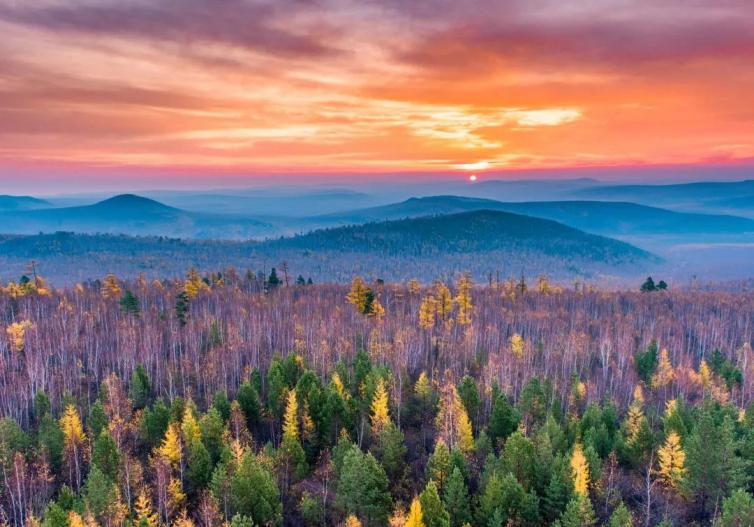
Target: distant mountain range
611,218
426,248
699,196
13,203
133,215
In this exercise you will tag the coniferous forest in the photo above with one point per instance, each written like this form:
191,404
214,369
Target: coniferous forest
248,399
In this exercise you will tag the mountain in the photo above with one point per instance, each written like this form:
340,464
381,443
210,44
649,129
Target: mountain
704,195
611,218
14,203
134,215
426,248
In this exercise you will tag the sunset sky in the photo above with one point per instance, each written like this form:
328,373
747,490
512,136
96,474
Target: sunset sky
197,87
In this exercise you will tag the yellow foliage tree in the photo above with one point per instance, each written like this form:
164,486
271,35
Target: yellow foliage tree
194,284
183,520
171,448
110,288
75,520
74,439
672,460
190,427
705,374
664,374
337,383
415,518
357,296
352,521
444,306
543,285
413,286
580,469
176,496
516,343
290,418
145,516
463,300
379,408
422,387
452,421
17,334
427,311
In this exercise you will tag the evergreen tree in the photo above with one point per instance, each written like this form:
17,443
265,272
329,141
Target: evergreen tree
254,492
273,280
438,465
198,468
105,455
469,393
621,517
433,510
129,304
248,398
503,420
456,499
182,302
391,451
578,513
363,488
140,389
738,510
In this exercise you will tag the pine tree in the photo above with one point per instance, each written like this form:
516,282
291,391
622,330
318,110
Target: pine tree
182,302
621,517
578,513
456,499
363,488
105,455
738,510
503,420
580,470
433,511
129,304
438,465
415,517
671,460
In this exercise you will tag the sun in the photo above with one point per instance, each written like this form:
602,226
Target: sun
472,178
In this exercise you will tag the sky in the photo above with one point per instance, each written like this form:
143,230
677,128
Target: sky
100,92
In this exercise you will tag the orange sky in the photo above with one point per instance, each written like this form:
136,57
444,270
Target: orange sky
325,86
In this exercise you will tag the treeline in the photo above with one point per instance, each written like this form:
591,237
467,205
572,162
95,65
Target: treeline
227,398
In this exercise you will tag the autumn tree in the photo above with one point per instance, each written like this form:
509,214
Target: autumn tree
580,469
452,421
671,458
75,440
415,517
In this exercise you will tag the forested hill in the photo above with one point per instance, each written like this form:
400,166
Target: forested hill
481,242
602,217
468,232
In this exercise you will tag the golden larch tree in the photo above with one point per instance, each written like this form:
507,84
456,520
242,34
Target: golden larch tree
452,421
171,448
444,306
580,470
415,518
110,288
357,296
74,442
145,516
516,344
664,374
290,418
194,284
190,427
427,312
463,300
672,460
352,521
379,408
17,334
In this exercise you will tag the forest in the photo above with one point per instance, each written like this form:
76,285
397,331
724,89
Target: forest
264,399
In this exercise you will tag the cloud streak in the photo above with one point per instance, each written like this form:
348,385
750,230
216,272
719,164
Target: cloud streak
338,85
